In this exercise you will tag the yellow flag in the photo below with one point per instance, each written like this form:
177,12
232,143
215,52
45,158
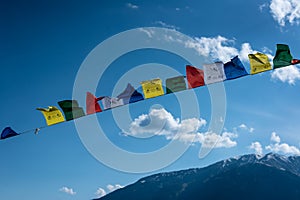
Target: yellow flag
152,88
52,115
259,62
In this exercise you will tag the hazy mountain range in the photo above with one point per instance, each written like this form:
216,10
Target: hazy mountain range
271,176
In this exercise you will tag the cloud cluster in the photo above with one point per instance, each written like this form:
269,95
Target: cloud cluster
218,48
278,147
161,122
110,188
67,190
221,48
285,11
288,74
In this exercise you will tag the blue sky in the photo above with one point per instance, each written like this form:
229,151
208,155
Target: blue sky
43,45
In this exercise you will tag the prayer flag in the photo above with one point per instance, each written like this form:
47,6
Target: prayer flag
92,105
7,133
259,62
283,56
152,88
109,102
214,72
71,109
175,84
195,77
126,94
52,115
234,69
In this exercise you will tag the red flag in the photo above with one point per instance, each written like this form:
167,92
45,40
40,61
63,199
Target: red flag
92,105
195,77
295,61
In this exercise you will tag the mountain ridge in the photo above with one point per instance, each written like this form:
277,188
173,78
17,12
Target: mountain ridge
269,176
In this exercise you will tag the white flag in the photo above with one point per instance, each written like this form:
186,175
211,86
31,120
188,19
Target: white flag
109,102
214,72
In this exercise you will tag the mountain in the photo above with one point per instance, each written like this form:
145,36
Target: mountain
246,177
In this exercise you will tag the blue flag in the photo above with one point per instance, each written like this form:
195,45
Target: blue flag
130,95
8,132
126,94
136,96
234,69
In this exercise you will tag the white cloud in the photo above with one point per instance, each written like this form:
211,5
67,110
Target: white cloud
281,147
208,139
216,47
288,74
285,11
100,192
257,148
110,188
213,140
245,127
67,190
275,137
165,25
132,6
161,122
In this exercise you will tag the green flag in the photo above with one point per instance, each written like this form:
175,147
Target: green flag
175,84
71,109
283,56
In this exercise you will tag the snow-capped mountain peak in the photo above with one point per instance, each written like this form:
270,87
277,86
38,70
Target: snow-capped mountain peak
289,163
